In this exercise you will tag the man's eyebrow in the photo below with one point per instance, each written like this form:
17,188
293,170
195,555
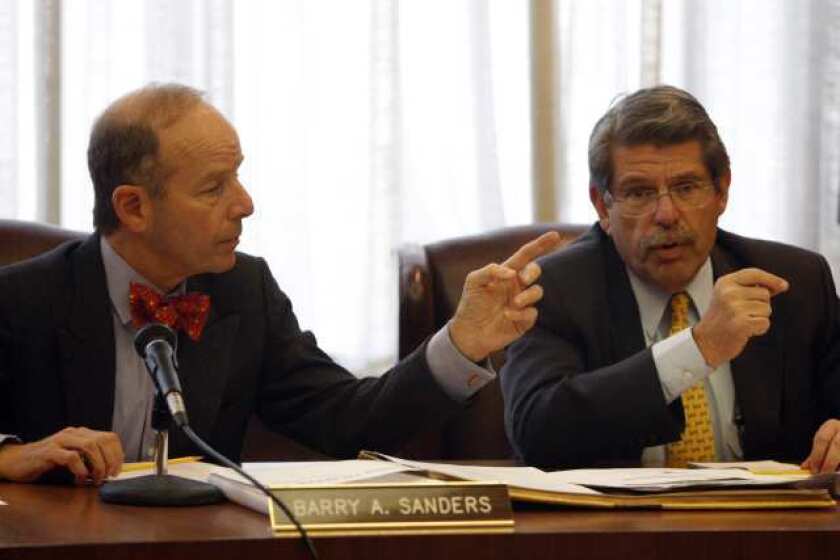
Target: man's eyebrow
213,174
635,180
218,173
692,175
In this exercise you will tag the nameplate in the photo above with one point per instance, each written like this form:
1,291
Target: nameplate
388,508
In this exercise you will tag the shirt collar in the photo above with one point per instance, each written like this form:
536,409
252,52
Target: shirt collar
118,275
652,300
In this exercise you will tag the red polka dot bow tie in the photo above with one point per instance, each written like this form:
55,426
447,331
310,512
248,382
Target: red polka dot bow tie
187,312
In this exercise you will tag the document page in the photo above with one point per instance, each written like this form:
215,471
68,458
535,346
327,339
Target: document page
240,490
590,481
281,473
318,472
758,467
193,470
640,487
522,477
664,479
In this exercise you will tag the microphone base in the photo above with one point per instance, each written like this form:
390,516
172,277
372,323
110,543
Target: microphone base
160,490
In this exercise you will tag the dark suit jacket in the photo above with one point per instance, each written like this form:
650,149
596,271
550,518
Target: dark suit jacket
581,388
57,363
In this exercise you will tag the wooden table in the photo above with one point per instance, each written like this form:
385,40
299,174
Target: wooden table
71,523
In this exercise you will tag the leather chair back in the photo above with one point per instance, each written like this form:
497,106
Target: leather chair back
431,279
21,240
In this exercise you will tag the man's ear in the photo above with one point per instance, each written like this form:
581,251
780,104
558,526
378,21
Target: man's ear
133,207
600,205
723,191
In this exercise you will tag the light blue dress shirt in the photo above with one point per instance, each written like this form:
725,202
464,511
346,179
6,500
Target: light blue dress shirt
680,364
134,390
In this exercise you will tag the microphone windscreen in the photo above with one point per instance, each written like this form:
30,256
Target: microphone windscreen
153,331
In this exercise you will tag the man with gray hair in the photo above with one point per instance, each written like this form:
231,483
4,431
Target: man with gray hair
655,341
168,216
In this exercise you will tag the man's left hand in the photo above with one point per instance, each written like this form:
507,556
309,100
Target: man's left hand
825,453
497,304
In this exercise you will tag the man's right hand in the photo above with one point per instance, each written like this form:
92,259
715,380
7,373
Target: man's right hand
740,309
90,455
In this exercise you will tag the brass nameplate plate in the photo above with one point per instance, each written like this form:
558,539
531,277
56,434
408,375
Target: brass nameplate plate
361,508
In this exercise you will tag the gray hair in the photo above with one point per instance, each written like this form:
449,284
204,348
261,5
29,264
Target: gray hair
661,115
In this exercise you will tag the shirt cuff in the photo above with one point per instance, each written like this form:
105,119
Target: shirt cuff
679,363
7,438
459,377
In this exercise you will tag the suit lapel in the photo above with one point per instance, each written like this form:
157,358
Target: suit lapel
86,343
87,353
758,376
204,368
625,324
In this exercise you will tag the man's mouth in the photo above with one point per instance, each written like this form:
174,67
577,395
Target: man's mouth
232,240
667,244
668,250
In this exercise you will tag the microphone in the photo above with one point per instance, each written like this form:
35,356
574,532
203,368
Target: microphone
155,344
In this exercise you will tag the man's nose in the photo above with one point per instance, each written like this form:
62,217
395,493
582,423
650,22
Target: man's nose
242,206
666,211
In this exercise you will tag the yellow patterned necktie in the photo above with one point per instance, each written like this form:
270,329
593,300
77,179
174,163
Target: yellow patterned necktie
698,440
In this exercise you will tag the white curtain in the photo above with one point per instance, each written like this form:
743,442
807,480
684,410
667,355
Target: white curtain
364,123
768,72
8,108
370,123
599,47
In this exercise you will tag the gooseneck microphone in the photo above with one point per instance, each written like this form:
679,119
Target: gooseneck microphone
155,343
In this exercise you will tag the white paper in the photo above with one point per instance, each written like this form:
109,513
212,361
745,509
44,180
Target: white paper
237,489
2,503
521,477
318,472
276,473
757,467
241,493
194,471
587,481
663,479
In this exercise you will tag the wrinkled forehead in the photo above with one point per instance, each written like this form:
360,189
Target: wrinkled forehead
202,133
658,162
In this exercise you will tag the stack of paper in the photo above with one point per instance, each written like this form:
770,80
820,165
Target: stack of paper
698,488
653,488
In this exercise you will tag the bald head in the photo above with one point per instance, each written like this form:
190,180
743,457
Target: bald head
124,144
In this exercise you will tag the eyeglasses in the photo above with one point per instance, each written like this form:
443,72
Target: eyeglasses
642,200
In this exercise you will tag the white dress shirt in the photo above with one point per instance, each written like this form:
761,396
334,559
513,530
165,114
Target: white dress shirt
680,364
